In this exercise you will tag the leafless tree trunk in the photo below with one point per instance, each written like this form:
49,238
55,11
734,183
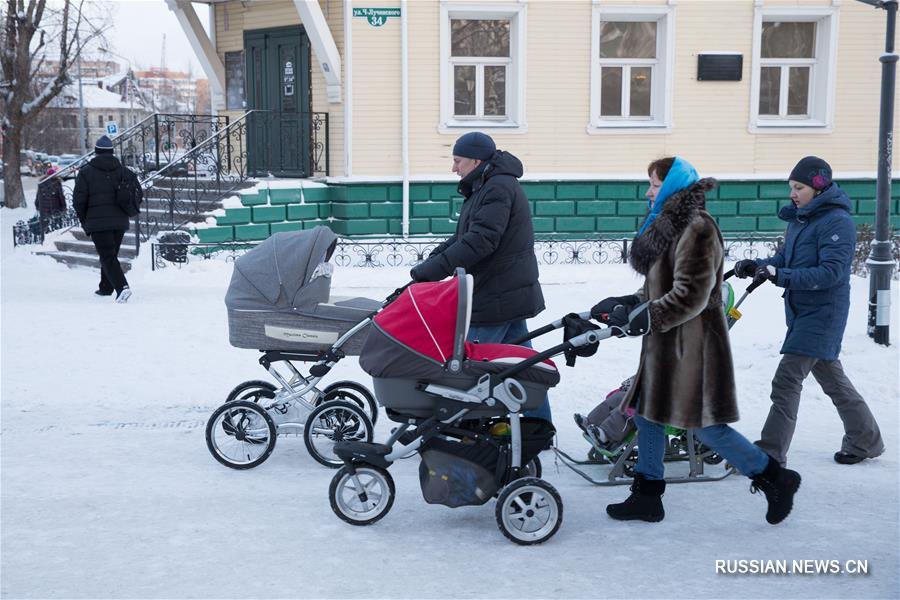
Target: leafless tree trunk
28,34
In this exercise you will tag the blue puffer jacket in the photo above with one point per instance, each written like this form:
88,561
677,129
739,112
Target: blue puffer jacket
814,268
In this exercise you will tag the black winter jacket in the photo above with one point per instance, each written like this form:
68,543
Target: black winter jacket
494,241
50,197
95,194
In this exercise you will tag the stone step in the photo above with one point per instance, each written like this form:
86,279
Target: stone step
87,247
77,259
81,236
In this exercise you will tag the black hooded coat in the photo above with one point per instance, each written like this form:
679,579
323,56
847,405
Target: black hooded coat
494,241
94,198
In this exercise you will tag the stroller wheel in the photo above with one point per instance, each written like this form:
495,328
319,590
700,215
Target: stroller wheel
362,498
240,434
335,421
353,392
254,390
529,511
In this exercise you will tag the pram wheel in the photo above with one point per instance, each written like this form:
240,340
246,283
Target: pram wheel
363,498
358,394
253,391
529,511
331,422
240,434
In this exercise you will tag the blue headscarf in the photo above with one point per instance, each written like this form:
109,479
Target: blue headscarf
682,175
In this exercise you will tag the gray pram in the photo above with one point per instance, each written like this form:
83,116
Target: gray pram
279,303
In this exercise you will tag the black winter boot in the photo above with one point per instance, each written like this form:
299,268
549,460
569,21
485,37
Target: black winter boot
779,485
644,503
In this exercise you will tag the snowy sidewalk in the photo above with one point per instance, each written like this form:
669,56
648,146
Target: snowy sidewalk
108,490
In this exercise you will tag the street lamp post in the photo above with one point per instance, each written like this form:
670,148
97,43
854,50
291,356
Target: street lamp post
881,261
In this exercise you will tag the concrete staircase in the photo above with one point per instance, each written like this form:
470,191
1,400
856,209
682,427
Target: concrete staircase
75,248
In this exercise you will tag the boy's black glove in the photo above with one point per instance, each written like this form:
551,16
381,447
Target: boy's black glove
765,272
745,268
602,309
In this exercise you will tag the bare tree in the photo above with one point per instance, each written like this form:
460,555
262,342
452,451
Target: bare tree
28,35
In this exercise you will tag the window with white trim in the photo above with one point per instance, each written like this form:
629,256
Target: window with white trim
482,82
794,63
631,67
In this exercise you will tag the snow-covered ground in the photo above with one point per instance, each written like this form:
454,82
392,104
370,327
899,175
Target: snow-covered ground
108,490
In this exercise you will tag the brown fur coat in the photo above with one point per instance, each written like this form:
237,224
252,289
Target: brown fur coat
685,377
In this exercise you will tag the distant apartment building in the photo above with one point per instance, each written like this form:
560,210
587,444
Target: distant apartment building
116,98
175,91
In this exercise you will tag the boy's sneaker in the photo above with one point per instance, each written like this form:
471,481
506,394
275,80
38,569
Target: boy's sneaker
124,295
103,293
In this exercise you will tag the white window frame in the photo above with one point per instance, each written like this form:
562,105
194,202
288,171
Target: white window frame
515,72
661,82
822,76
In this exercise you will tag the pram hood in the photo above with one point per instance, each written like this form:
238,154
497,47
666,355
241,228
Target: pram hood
421,333
284,272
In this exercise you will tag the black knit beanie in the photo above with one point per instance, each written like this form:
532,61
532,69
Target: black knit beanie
813,171
474,145
104,145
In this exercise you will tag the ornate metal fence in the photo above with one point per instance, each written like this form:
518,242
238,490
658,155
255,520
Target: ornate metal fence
398,252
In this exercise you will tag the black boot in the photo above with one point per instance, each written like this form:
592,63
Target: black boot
644,503
779,485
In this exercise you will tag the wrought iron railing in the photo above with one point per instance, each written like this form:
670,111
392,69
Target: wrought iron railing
399,252
146,147
36,228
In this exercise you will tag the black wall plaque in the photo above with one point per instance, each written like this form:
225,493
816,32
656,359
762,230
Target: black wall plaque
719,67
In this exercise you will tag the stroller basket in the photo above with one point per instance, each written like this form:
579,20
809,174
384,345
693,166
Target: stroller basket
469,472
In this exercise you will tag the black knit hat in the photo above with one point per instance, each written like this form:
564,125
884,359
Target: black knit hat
474,145
104,145
812,171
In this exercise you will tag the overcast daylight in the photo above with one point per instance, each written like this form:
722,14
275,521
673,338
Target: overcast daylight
430,299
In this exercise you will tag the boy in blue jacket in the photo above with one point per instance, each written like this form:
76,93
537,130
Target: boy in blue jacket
813,266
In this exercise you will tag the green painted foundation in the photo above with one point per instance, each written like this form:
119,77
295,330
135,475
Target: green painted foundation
560,208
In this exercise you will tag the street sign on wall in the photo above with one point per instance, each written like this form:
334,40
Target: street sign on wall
376,16
112,128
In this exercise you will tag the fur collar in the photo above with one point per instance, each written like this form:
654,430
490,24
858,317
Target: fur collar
668,226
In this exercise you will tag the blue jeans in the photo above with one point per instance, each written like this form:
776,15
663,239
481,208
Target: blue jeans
503,334
737,450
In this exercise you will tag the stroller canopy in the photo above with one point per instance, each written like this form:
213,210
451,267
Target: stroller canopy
277,273
424,330
425,317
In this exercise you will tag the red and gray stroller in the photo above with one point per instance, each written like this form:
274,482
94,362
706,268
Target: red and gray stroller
279,302
459,406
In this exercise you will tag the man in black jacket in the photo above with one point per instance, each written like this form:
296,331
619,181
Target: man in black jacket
101,218
494,242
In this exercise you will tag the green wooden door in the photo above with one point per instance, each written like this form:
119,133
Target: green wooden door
278,87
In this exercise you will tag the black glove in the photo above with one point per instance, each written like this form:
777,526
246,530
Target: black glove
745,268
765,272
416,273
631,322
602,309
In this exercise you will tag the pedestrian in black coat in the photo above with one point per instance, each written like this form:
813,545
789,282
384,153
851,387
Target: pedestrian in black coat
494,242
102,219
50,199
494,239
50,196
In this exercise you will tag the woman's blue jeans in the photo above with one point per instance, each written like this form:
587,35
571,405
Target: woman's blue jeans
503,334
737,450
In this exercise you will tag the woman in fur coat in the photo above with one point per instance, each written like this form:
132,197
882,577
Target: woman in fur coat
685,377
